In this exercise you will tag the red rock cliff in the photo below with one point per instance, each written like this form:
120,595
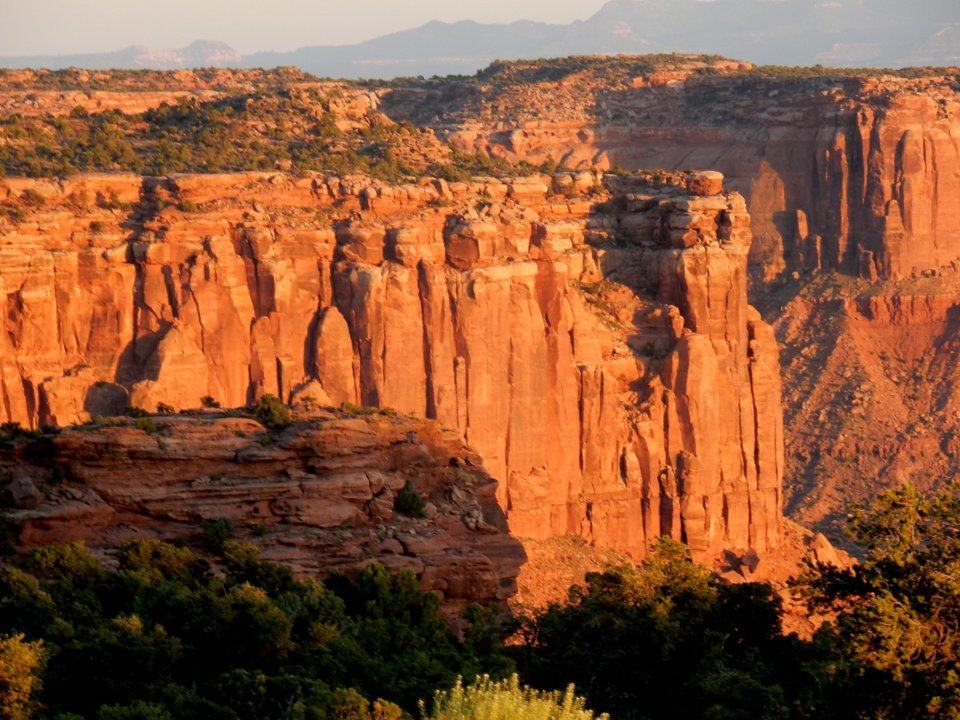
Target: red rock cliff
593,343
855,173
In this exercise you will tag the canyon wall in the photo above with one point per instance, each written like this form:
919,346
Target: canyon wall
852,181
850,172
589,336
870,378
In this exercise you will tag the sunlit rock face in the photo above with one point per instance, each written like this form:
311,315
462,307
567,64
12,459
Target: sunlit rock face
849,171
317,496
589,336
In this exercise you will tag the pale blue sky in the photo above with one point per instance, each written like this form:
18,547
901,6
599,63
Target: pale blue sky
44,27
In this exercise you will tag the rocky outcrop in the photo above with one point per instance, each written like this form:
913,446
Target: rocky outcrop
317,496
841,171
589,336
36,92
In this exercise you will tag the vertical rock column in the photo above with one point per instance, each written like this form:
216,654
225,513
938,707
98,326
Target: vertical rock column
722,381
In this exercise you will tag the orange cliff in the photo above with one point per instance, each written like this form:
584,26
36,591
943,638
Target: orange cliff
847,171
589,336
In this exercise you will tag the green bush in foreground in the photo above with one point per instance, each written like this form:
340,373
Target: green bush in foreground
487,699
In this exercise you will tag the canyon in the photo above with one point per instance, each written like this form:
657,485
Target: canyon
588,335
851,181
852,172
583,328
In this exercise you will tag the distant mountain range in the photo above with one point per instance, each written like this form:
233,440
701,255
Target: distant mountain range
890,33
201,53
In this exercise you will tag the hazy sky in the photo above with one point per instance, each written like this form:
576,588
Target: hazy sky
43,27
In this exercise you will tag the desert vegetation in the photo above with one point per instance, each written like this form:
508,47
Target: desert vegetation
174,632
297,129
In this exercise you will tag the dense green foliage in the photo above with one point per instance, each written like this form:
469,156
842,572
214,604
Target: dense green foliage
667,641
162,636
487,699
899,621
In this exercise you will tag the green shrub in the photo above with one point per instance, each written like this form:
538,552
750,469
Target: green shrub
348,704
188,206
12,212
165,409
486,699
13,430
358,409
111,201
209,402
98,227
32,198
270,411
409,502
146,424
216,532
110,421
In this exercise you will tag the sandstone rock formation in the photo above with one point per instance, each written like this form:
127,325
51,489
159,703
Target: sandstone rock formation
848,171
317,496
590,337
870,377
851,180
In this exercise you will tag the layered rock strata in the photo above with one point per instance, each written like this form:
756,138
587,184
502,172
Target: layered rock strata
840,171
589,336
317,496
